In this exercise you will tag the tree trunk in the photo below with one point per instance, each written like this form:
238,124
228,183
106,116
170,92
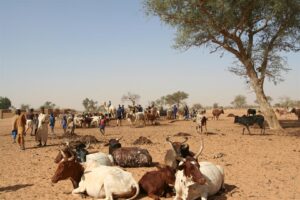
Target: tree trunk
265,106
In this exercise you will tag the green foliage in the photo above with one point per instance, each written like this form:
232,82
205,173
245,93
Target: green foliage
255,32
197,106
5,103
48,105
286,102
175,98
90,105
131,97
161,102
239,101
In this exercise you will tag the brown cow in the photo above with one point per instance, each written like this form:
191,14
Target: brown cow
68,168
216,113
157,183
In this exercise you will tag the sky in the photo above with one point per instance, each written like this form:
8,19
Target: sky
64,51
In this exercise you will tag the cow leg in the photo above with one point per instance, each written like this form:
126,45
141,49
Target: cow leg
153,196
79,190
243,130
248,130
206,130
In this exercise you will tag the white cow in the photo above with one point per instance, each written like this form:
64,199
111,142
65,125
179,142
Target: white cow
98,159
186,189
136,118
108,182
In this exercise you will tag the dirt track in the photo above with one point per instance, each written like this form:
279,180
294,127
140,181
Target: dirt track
256,167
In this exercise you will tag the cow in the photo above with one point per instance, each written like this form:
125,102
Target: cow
82,155
201,121
128,156
216,113
249,121
158,183
177,149
136,118
101,182
251,112
197,179
296,111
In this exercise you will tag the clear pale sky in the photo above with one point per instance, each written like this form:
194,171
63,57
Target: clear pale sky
66,50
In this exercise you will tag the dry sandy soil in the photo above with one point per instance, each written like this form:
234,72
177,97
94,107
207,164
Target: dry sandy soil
256,166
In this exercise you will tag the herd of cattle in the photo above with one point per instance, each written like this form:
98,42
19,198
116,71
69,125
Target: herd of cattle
99,175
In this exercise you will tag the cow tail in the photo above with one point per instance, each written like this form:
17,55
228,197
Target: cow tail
137,187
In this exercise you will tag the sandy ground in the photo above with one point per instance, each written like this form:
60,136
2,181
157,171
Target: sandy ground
256,167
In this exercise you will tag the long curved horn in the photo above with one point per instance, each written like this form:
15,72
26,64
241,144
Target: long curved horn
118,139
185,139
72,157
63,153
171,143
88,143
200,150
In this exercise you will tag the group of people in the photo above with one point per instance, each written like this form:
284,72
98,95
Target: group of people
38,123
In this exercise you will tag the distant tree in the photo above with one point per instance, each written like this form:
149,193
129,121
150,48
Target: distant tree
176,98
196,106
286,102
131,97
5,103
239,101
270,99
24,106
254,32
48,105
215,105
90,105
161,102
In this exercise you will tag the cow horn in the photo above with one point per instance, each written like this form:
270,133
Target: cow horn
63,153
185,139
200,150
72,157
88,143
171,143
118,139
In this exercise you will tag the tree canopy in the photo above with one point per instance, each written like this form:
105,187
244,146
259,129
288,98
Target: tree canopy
131,97
176,98
5,103
48,105
90,105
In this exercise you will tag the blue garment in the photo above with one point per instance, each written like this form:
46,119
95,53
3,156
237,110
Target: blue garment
64,122
14,134
52,120
119,113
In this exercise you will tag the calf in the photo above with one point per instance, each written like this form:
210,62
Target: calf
216,113
251,112
297,112
251,120
128,156
201,121
157,183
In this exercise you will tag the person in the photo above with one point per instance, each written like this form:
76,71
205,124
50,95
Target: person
119,116
21,124
35,124
29,120
123,111
42,132
14,130
186,112
175,109
72,124
64,123
140,108
109,104
102,124
52,122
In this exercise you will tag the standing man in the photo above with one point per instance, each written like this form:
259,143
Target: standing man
14,130
175,109
119,116
52,122
42,132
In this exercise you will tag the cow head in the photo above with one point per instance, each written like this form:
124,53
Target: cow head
113,144
180,148
67,149
191,169
68,168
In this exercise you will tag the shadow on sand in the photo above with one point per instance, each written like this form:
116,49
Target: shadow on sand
14,188
222,194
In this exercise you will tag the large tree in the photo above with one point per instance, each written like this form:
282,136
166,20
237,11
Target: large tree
48,105
5,103
254,31
90,105
131,97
